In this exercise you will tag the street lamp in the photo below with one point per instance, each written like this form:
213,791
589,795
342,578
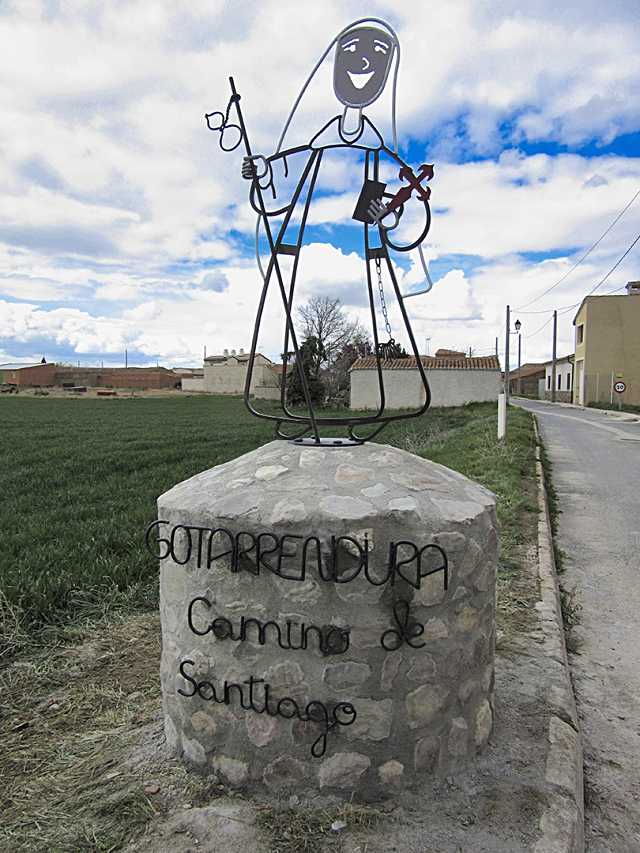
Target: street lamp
517,326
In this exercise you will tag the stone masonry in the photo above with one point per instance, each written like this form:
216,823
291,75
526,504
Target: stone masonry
418,710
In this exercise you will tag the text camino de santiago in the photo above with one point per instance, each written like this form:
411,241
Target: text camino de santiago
291,557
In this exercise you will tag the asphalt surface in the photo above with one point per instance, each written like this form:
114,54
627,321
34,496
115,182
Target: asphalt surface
596,473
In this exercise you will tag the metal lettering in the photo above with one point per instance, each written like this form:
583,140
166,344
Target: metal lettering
405,560
328,717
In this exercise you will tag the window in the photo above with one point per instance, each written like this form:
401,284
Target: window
559,381
549,382
580,333
568,382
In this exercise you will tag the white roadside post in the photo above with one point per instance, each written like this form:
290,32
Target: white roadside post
502,416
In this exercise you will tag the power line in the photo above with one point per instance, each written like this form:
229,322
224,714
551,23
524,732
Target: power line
566,308
545,311
614,267
537,331
586,255
604,278
609,292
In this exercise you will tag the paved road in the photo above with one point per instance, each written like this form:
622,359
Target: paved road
596,472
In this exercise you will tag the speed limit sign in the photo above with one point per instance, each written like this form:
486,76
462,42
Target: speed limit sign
620,387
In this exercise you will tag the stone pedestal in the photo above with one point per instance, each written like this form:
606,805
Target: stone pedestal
328,618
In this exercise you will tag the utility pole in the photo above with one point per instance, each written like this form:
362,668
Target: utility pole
519,364
553,357
496,346
503,399
506,357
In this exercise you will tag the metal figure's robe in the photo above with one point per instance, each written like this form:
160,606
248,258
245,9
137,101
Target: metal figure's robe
285,195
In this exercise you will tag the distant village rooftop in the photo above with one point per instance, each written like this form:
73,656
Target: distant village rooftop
431,362
240,355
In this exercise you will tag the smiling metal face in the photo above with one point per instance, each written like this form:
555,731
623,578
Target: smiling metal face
363,60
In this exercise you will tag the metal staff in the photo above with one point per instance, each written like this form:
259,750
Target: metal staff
273,264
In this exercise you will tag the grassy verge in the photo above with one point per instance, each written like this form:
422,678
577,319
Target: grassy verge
83,477
554,508
69,718
625,407
569,603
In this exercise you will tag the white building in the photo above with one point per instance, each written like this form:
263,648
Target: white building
453,381
227,373
564,379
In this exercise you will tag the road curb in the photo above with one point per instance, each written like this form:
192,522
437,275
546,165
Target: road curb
562,822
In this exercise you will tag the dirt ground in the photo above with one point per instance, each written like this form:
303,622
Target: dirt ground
107,393
84,765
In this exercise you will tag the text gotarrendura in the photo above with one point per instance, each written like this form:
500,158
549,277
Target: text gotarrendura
341,559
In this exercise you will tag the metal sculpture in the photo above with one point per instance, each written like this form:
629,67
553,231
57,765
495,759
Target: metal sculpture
365,52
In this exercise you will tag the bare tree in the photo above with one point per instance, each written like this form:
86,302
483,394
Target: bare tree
325,320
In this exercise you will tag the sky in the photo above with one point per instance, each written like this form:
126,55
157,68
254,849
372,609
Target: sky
124,226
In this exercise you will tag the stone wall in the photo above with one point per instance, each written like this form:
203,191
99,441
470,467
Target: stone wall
561,396
411,659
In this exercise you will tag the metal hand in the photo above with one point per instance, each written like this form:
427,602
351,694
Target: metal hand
249,170
377,211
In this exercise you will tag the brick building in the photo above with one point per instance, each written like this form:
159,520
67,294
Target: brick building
117,377
526,381
31,375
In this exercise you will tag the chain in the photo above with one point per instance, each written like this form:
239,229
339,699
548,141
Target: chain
383,304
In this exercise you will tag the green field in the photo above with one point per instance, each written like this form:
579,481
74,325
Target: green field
79,480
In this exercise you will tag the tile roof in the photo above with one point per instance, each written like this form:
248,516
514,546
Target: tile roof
489,362
239,356
529,369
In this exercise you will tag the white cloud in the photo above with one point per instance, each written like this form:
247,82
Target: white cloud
35,289
216,281
113,189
